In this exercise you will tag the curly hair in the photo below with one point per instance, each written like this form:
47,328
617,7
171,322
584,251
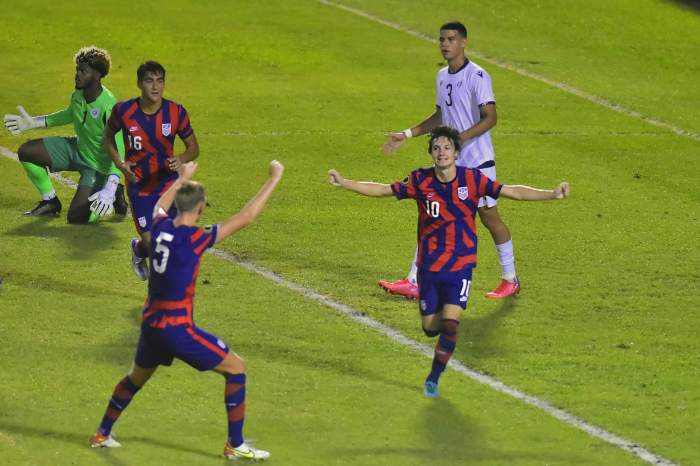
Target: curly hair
96,58
447,132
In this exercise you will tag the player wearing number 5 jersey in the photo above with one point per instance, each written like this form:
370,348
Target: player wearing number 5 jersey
464,101
149,124
448,198
168,330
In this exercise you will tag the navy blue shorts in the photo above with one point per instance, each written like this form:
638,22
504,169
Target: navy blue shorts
142,210
439,288
199,349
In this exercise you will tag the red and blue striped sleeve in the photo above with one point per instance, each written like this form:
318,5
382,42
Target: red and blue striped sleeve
405,189
115,121
204,238
486,186
184,129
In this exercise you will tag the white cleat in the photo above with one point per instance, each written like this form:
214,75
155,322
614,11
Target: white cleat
244,452
103,441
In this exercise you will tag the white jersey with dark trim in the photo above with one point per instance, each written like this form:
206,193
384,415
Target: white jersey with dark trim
459,96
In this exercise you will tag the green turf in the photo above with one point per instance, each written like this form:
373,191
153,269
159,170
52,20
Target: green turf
605,328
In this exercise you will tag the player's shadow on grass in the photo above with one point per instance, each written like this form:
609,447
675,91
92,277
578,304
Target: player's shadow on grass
477,336
449,437
82,439
122,348
338,365
81,242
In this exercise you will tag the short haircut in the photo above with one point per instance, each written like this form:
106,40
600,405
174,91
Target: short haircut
96,58
447,132
149,67
189,196
455,26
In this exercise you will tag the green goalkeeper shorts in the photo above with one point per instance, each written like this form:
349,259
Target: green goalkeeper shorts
65,157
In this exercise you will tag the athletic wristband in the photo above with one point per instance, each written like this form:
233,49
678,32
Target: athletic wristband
40,121
408,133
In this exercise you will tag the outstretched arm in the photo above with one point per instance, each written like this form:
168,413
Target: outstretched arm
395,140
252,209
527,193
366,188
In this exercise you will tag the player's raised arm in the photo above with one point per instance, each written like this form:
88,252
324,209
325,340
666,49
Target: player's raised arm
252,209
186,172
527,193
366,188
395,140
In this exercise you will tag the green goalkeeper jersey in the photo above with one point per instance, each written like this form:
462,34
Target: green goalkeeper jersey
89,119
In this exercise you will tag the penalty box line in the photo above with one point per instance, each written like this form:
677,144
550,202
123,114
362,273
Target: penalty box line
418,347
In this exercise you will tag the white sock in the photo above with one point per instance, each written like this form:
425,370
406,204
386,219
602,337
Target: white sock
507,260
413,274
48,196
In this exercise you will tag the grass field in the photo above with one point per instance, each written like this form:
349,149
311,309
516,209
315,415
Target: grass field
606,327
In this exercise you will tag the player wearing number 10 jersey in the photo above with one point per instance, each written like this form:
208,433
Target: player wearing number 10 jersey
149,124
448,198
168,330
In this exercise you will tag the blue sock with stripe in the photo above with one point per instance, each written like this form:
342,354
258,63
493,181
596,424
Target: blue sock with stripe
123,393
235,407
444,348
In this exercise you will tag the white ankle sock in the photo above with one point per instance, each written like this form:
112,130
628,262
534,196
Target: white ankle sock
507,260
413,274
48,196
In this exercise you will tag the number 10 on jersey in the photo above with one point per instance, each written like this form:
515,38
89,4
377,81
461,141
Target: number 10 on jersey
432,208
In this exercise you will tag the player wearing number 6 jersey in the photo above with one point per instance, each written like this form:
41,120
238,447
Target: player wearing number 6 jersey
448,198
168,330
149,124
464,101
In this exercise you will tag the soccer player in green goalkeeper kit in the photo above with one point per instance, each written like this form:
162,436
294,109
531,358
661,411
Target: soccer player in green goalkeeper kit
99,190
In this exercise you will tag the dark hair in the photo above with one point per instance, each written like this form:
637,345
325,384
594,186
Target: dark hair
149,67
447,132
455,26
96,58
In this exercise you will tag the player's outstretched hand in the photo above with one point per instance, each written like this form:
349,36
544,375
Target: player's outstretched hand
17,124
276,169
335,178
393,142
186,170
562,190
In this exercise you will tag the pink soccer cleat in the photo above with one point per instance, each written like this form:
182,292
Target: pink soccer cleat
401,287
504,289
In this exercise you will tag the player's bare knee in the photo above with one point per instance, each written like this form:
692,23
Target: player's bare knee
431,332
234,364
24,153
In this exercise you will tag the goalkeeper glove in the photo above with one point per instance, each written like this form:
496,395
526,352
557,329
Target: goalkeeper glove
17,124
102,201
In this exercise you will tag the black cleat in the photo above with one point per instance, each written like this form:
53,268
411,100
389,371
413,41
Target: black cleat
120,205
50,207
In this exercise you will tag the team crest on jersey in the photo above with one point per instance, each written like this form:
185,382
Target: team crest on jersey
462,192
95,112
165,129
142,222
480,74
459,84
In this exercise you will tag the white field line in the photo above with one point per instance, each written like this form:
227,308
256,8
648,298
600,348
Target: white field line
427,351
523,72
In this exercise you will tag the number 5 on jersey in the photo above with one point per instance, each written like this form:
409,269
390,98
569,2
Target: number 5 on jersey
161,248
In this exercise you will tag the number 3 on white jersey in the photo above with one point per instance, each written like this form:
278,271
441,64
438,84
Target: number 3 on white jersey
159,266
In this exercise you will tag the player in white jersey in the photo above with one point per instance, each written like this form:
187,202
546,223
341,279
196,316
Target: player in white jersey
464,101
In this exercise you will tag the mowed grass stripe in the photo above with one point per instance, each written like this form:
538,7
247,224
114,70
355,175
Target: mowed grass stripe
391,333
523,72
